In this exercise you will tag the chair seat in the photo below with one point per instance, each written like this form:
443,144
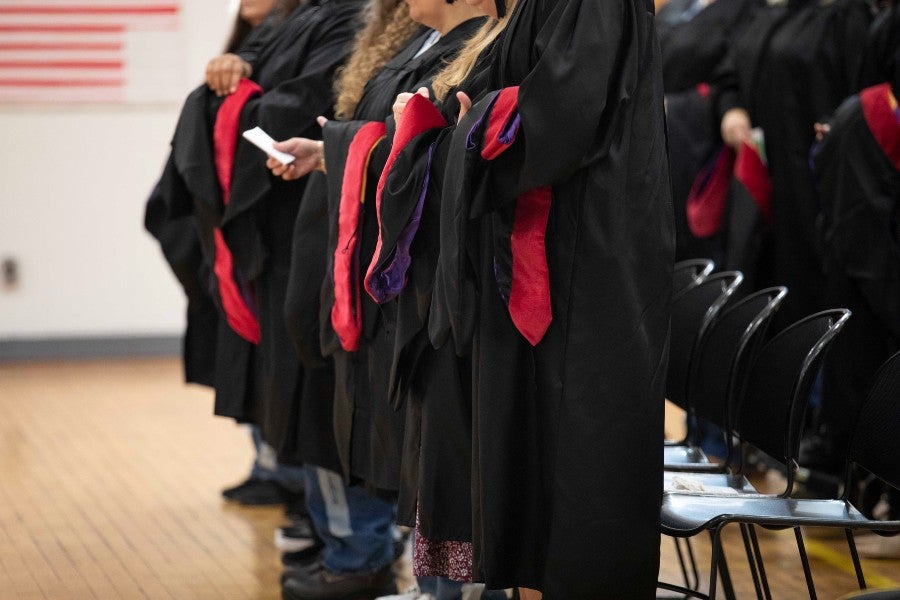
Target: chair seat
688,514
687,458
706,483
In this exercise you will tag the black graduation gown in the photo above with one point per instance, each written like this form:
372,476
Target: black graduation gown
567,467
368,426
791,68
177,237
181,247
296,72
692,45
188,198
860,189
881,57
433,382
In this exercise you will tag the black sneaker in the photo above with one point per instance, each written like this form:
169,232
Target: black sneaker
299,535
255,492
303,557
322,584
302,571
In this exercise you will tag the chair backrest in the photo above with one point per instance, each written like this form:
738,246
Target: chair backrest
876,439
723,358
690,272
693,309
770,415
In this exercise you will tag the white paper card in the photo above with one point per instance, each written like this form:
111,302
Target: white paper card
264,142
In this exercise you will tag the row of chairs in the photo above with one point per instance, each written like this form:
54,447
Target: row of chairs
726,369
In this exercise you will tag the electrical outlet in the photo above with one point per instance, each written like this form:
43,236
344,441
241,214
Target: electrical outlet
9,271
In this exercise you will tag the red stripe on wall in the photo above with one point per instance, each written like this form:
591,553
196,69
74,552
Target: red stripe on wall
62,64
86,9
70,83
77,46
35,28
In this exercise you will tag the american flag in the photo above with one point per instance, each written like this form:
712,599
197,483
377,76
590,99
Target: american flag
89,51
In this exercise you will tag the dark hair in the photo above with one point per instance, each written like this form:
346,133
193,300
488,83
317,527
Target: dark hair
239,33
281,10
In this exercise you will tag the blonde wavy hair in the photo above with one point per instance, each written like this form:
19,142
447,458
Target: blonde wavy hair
456,71
388,28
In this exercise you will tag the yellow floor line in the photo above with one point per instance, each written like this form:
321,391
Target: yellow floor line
842,561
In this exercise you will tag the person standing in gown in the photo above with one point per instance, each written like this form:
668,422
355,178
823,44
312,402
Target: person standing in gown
556,260
693,36
432,381
857,168
214,354
369,429
790,69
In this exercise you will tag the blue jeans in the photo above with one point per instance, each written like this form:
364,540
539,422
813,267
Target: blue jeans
355,526
267,468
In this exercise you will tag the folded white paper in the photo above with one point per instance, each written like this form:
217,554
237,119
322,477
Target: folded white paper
264,142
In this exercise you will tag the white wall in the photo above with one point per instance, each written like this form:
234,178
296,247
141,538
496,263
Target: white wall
73,182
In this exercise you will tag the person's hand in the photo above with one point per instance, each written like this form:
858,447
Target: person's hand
735,127
821,130
403,99
465,103
309,155
223,73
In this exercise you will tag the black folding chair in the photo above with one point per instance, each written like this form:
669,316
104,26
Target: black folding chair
693,310
769,418
723,359
717,373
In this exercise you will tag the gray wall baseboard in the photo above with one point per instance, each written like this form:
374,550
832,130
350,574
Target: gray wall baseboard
88,347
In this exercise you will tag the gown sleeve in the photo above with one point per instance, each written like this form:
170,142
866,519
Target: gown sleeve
286,110
586,60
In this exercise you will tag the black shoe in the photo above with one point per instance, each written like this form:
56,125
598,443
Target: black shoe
303,557
302,571
255,492
322,584
295,505
299,535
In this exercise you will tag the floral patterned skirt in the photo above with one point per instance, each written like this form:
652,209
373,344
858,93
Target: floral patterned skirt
452,560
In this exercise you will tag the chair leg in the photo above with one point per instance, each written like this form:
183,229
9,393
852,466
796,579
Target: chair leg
696,573
751,560
725,574
853,553
685,592
714,561
681,563
759,563
805,560
719,565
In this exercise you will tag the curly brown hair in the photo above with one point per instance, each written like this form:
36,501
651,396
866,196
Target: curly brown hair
388,28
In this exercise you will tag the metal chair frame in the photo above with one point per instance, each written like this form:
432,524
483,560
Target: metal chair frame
745,348
777,511
727,284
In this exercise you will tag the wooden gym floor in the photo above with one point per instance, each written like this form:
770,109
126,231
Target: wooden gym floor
110,474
